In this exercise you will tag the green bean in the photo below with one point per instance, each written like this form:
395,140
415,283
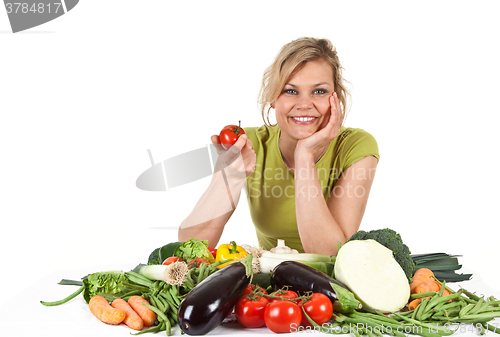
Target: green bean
477,306
64,300
472,296
442,331
136,287
492,328
421,308
139,279
157,311
484,315
382,319
489,306
438,300
174,292
168,297
201,272
158,304
420,295
173,314
446,306
465,310
441,290
153,329
164,303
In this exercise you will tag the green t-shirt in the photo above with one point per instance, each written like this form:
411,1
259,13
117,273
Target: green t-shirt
271,187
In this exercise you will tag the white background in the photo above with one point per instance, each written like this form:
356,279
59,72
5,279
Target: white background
83,97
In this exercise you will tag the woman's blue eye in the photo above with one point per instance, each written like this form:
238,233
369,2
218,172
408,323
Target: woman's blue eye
320,91
290,91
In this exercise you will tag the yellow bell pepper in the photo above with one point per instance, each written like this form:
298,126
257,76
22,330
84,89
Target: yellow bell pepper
230,251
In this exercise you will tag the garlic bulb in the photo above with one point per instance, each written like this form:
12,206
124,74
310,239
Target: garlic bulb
282,249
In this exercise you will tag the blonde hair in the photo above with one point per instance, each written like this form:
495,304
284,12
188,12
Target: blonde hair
291,59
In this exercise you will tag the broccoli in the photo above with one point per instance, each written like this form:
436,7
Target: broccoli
159,255
392,240
154,257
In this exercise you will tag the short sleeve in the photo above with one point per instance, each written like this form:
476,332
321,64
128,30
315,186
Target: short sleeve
357,144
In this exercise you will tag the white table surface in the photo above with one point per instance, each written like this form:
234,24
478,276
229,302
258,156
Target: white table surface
23,315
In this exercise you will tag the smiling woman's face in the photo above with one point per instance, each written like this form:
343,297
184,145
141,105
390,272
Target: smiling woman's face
303,106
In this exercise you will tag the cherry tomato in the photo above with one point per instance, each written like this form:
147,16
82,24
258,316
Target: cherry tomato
319,308
213,251
251,288
250,312
170,260
229,135
282,316
283,293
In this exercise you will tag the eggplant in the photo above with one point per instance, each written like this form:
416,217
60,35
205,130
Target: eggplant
302,279
205,307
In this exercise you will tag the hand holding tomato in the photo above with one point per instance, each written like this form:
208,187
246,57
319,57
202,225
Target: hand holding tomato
242,149
230,134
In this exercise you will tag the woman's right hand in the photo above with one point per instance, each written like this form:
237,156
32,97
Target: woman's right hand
237,164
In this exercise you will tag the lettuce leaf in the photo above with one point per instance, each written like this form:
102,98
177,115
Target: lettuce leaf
193,249
108,284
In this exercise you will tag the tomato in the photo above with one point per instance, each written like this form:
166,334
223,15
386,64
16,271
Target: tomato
213,251
251,288
282,316
283,293
229,135
198,261
250,312
319,308
170,260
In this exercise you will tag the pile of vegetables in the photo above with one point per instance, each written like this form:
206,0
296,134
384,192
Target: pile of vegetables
372,286
153,291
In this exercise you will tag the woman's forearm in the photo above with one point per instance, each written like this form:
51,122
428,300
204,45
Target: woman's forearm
318,230
213,210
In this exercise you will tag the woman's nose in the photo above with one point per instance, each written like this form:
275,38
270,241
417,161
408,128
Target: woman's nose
304,102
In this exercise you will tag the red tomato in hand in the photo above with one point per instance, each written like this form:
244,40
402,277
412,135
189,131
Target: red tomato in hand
229,135
319,308
250,313
283,293
170,260
283,316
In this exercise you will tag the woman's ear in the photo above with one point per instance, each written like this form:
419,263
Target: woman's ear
272,105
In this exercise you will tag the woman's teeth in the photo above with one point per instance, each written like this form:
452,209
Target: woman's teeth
304,119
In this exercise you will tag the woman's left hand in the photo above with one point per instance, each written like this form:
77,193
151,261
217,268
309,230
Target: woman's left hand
321,138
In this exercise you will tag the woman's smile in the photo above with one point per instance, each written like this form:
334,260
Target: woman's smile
303,120
304,107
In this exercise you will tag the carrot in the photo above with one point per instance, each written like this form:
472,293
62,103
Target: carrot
427,286
414,304
133,320
101,309
423,288
147,315
422,275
